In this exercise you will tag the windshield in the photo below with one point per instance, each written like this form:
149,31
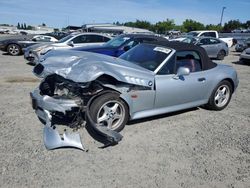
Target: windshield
146,55
117,41
65,39
189,40
193,33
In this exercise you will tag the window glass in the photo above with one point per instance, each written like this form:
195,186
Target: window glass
214,41
205,41
106,39
189,59
117,41
64,39
169,67
80,39
132,43
208,34
146,55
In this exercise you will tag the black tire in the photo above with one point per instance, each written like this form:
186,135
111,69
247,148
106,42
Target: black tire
110,114
216,104
221,55
14,49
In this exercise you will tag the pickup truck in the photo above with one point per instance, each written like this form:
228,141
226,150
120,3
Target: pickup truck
211,33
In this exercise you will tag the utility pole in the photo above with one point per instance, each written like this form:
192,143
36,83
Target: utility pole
222,12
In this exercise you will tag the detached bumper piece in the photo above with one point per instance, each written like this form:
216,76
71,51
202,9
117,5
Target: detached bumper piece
52,139
45,108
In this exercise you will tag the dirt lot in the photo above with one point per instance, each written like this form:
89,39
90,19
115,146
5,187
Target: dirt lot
194,148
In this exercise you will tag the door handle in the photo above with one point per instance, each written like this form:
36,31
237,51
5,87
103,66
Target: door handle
201,79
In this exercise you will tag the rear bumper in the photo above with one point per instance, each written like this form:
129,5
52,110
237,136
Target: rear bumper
245,57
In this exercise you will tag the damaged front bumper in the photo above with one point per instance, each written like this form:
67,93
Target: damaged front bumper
47,109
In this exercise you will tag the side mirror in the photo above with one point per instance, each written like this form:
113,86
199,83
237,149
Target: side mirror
71,43
182,71
126,48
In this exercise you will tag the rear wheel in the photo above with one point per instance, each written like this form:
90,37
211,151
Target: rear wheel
14,49
221,55
221,96
109,110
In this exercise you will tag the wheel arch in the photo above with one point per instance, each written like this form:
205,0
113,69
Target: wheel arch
231,82
109,83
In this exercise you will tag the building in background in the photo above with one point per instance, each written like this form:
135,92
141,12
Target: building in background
113,29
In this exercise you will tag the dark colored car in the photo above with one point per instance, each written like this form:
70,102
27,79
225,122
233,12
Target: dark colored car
120,44
242,45
14,46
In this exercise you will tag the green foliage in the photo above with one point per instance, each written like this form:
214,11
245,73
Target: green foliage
29,27
192,25
214,27
139,24
164,26
232,24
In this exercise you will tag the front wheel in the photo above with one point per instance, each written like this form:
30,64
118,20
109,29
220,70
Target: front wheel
14,49
221,96
108,109
221,55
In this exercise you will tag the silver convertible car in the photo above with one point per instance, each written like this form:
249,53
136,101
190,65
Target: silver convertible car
106,92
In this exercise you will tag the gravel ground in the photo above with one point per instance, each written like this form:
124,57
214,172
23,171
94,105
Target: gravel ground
194,148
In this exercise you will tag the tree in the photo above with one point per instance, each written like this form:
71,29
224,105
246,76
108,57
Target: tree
214,27
247,24
139,24
192,25
21,26
18,25
29,27
24,26
231,25
43,24
164,26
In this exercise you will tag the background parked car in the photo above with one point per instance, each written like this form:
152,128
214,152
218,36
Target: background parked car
121,44
242,45
73,40
245,55
14,46
214,47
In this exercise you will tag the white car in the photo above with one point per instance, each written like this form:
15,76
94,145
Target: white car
33,53
245,55
44,38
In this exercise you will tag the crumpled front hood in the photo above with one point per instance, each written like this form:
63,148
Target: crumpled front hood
85,67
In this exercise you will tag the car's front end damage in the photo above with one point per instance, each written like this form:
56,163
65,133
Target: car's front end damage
67,90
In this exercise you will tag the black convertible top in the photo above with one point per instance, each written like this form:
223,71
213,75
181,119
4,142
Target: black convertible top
207,63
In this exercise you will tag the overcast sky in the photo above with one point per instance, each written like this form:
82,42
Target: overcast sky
60,13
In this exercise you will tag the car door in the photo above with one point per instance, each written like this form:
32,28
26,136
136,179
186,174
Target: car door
86,40
216,47
184,92
205,43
